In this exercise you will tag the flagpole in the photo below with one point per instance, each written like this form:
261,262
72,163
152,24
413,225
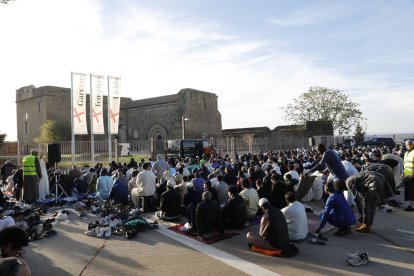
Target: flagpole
91,107
109,123
72,124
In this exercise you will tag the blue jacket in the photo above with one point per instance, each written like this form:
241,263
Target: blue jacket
119,191
338,209
331,159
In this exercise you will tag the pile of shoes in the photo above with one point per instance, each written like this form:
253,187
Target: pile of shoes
357,258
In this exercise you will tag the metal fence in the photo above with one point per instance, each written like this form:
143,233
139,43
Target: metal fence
148,148
14,151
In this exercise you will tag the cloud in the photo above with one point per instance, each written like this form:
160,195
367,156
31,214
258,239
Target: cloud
158,51
315,14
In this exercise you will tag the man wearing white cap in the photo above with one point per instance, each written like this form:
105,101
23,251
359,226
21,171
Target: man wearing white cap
170,203
273,232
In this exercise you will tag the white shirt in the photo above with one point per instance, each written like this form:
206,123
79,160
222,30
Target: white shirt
296,220
145,183
294,174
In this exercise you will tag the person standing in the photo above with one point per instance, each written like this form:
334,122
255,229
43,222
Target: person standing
44,181
368,189
408,175
332,161
32,172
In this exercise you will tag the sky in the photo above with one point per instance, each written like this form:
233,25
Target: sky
257,56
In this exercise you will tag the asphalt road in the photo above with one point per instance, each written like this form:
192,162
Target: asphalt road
163,252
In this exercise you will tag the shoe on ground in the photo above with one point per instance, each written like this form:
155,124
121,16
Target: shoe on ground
364,229
108,232
92,232
316,241
101,232
409,209
343,232
357,258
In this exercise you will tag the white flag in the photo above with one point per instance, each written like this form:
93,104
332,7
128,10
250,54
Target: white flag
114,84
79,104
97,83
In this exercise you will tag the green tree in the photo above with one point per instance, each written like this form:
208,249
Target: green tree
359,134
51,132
321,103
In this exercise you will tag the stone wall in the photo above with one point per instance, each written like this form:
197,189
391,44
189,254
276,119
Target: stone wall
161,117
158,117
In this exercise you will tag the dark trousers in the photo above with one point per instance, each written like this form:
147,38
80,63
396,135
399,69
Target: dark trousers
191,215
367,205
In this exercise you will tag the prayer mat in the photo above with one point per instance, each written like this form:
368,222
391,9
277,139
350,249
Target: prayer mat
208,239
313,224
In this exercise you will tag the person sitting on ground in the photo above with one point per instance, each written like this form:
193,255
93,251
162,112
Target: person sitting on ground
251,198
296,218
81,185
290,182
145,185
13,266
292,172
222,189
170,203
182,187
198,182
13,239
103,185
261,190
159,167
208,188
234,211
273,231
337,211
92,184
190,202
368,190
277,193
132,183
208,216
119,191
18,186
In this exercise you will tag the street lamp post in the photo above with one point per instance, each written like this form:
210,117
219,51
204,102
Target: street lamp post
183,119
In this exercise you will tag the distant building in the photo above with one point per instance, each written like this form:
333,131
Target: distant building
159,117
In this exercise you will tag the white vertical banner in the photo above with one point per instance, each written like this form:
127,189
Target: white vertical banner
114,88
79,104
97,86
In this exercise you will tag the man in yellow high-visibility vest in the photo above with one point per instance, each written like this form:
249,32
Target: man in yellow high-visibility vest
31,175
408,175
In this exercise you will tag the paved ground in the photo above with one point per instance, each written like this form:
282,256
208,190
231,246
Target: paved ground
163,252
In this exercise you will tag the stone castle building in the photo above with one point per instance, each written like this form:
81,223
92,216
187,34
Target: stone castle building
162,117
159,117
